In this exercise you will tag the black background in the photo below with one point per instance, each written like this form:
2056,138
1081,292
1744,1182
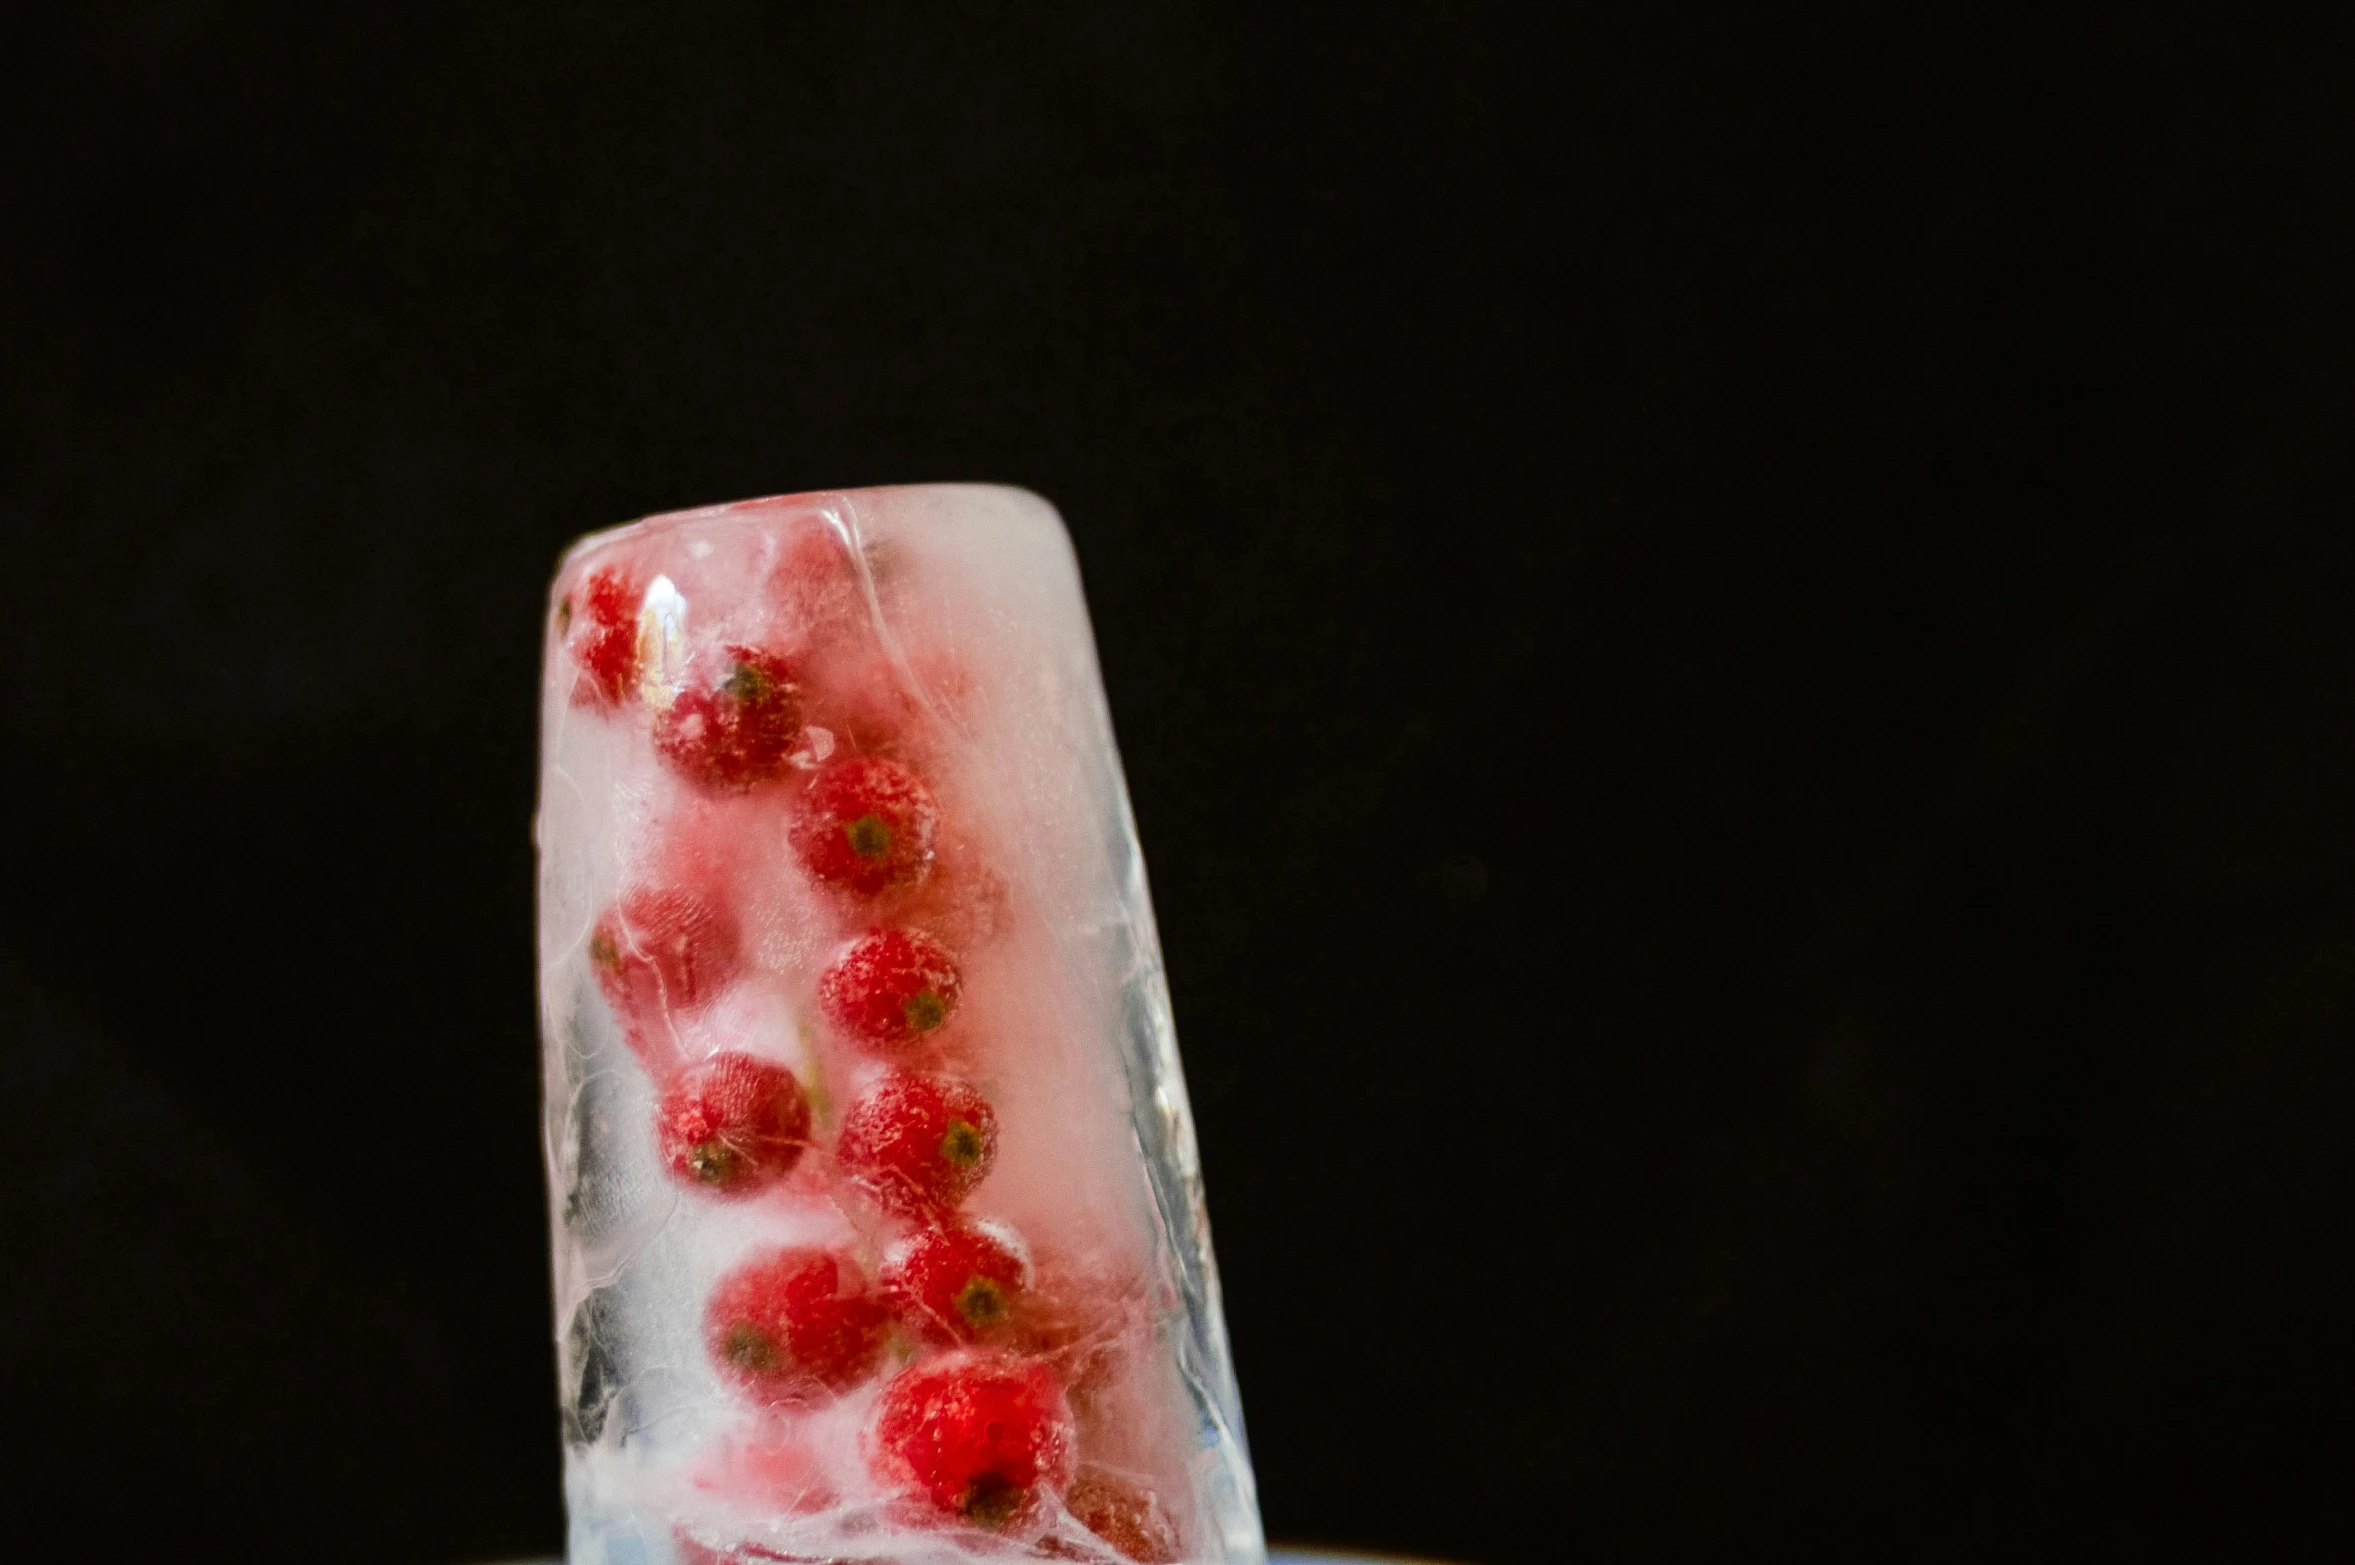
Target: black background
1731,637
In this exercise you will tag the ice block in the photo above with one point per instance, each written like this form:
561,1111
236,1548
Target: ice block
877,1223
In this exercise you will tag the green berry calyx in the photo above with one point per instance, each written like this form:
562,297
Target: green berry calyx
964,1145
714,1163
748,1347
992,1500
748,682
982,1303
868,837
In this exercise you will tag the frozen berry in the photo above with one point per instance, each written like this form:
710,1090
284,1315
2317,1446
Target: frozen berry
733,1124
736,730
795,1326
1125,1514
867,824
919,1143
599,622
890,988
956,1283
981,1438
660,952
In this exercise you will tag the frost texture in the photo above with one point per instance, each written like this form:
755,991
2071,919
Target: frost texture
940,630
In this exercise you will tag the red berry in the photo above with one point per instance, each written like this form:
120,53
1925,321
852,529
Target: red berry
795,1326
890,988
738,729
662,952
867,824
919,1144
956,1283
599,622
983,1438
733,1124
1124,1514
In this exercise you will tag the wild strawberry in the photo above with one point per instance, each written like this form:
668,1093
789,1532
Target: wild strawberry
738,729
958,1282
599,622
919,1144
890,988
795,1326
732,1124
981,1438
661,952
1124,1514
866,824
